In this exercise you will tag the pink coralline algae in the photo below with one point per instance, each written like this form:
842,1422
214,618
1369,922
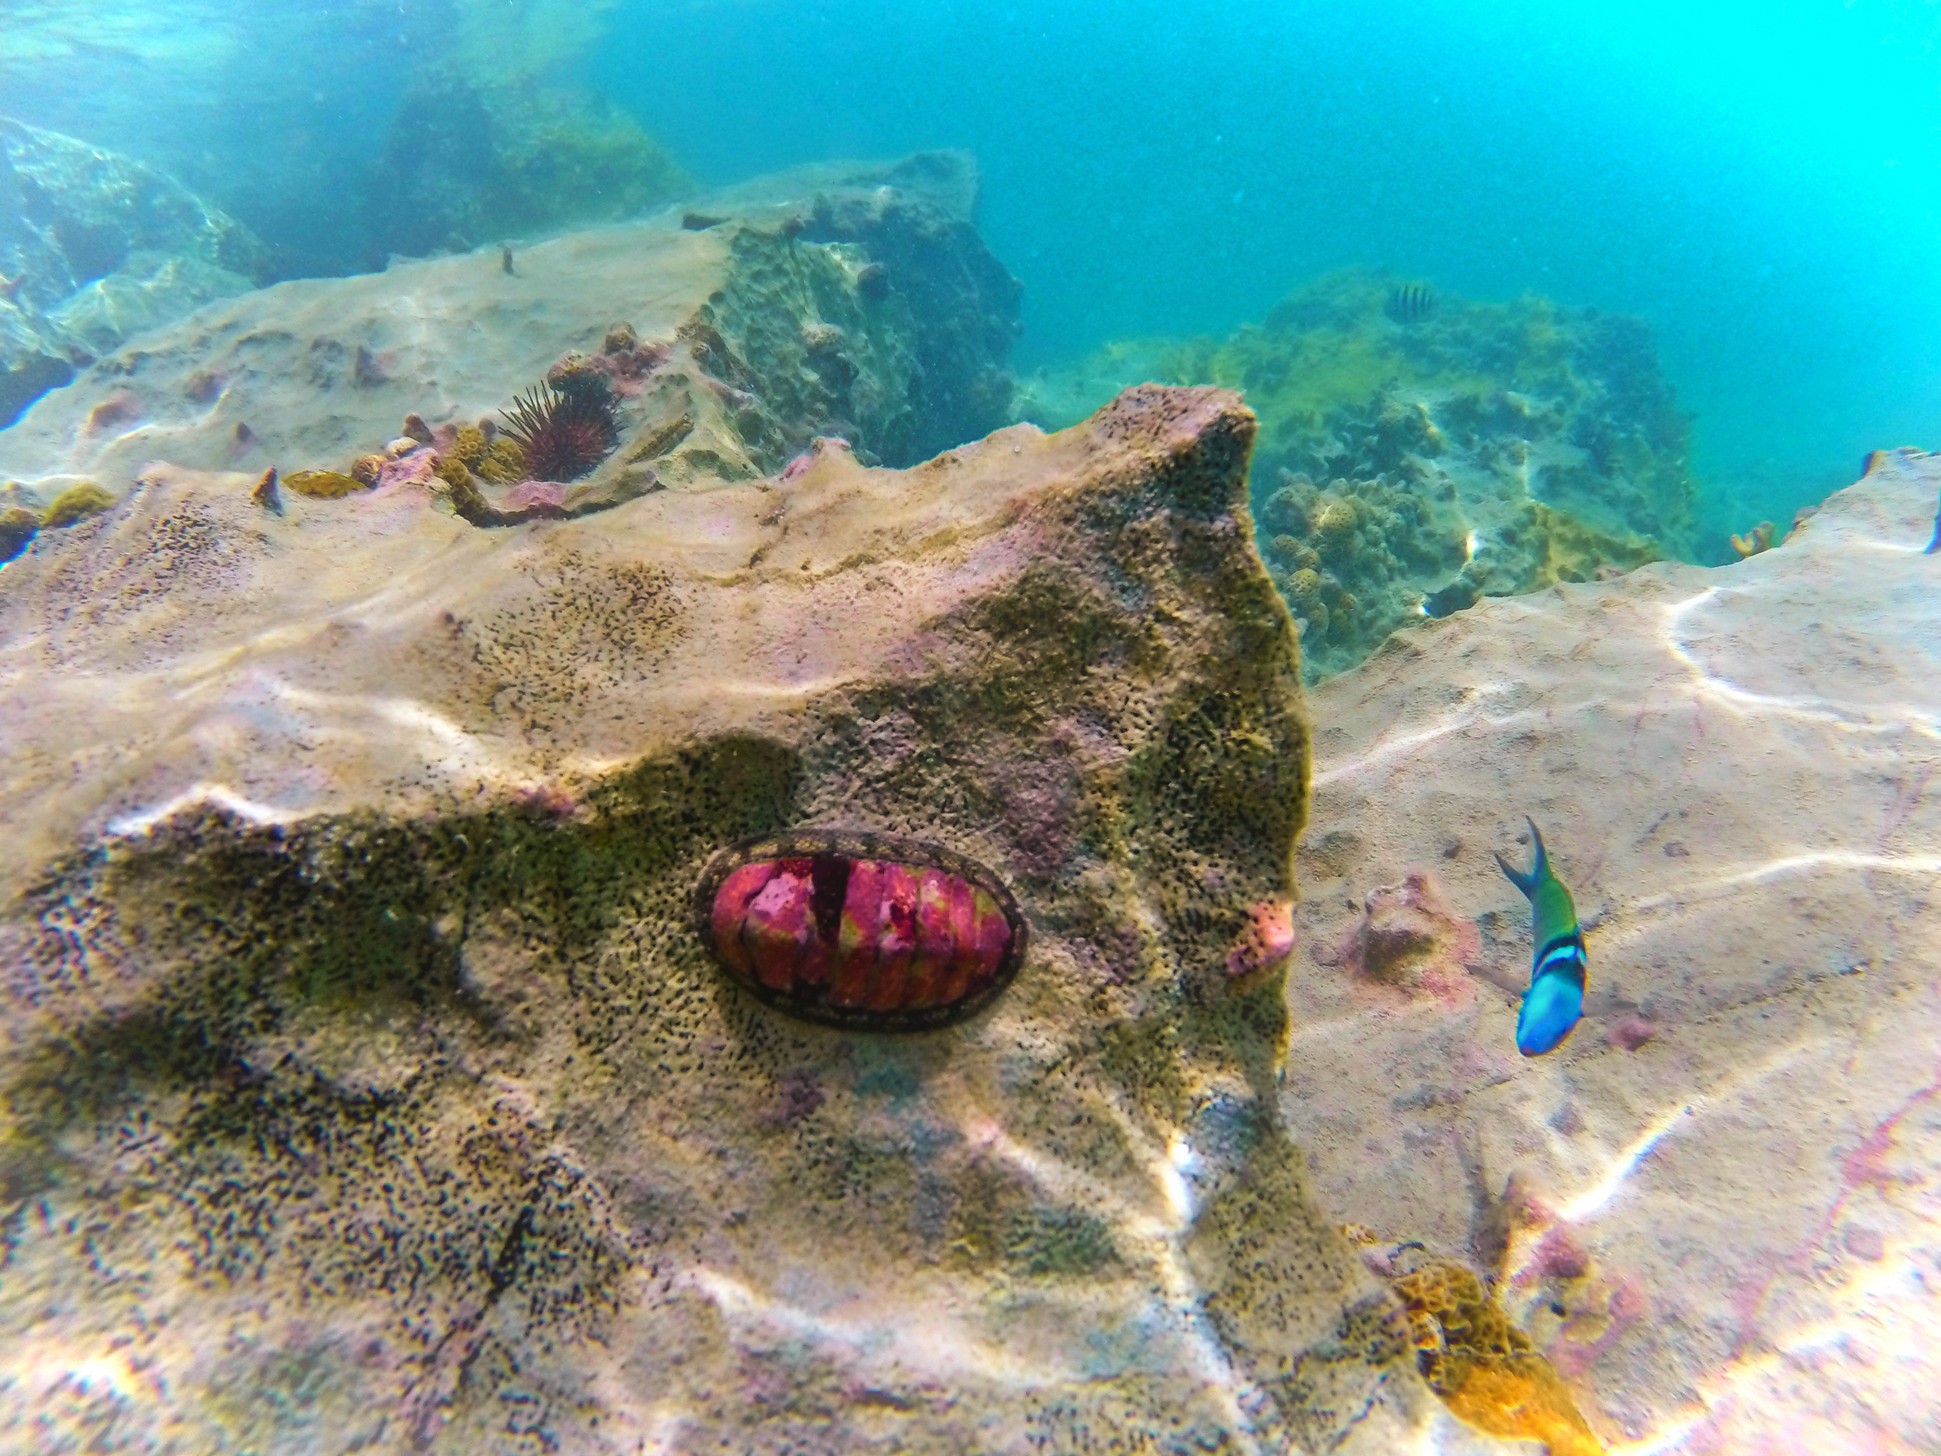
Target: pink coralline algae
415,468
859,930
818,447
536,495
1631,1033
1267,940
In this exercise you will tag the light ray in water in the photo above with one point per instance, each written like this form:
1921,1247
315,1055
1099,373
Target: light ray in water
141,821
1457,720
1587,1204
1847,717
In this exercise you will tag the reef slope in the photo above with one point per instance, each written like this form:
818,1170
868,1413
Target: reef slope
1715,1206
367,1087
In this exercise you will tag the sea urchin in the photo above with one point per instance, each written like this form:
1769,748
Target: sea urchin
563,435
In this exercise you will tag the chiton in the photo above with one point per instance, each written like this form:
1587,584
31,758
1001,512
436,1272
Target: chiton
861,930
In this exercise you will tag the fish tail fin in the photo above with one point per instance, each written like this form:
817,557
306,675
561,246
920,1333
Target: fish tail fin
1525,883
1540,861
1539,865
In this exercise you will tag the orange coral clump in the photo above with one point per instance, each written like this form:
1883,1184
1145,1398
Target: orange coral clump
1759,538
1526,1400
1486,1370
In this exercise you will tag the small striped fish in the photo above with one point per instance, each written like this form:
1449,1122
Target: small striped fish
1410,303
1555,1000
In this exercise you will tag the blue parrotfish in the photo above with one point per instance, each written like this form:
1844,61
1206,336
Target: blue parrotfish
1555,1000
1935,544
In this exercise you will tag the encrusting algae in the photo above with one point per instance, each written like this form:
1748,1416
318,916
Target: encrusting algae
504,462
323,484
1485,1369
76,504
469,446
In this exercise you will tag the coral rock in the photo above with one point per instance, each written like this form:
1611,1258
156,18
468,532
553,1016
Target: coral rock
105,248
1410,937
1783,1095
908,382
406,1109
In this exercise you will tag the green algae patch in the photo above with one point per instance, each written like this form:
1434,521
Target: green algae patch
76,504
322,484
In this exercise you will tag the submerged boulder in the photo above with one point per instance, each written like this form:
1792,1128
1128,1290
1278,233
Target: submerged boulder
855,302
95,247
371,1085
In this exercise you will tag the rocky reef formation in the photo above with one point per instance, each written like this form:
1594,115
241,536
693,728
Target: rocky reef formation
1714,1208
1418,452
850,302
368,1085
465,164
96,247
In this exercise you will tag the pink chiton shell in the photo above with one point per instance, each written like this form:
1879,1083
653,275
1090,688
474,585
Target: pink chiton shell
860,930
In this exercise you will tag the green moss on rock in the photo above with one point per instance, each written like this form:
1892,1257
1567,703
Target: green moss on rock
76,504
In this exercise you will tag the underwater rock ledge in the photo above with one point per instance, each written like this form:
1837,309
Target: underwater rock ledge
95,247
850,300
368,1085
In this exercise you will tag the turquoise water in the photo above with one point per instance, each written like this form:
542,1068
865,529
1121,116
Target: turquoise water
1761,181
391,657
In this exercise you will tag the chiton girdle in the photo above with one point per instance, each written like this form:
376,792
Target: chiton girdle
861,930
